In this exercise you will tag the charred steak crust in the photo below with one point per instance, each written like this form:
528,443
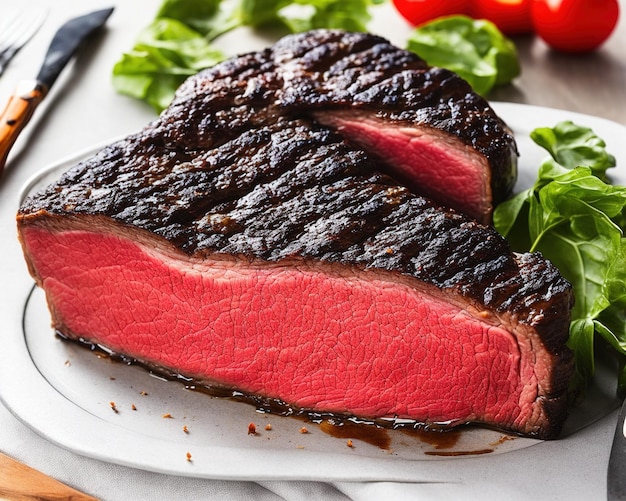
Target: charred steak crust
329,70
295,190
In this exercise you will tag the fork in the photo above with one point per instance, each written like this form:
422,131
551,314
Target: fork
16,28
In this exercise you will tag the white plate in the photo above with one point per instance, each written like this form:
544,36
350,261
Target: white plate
77,388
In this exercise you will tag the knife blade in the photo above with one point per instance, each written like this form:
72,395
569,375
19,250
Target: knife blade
616,475
30,93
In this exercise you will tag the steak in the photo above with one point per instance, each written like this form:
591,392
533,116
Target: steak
424,125
281,262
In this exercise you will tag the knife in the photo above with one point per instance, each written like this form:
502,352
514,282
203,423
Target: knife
29,93
616,476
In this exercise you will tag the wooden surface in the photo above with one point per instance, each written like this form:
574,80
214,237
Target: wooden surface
19,482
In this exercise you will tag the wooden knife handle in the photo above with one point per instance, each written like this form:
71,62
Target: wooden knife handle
17,113
18,481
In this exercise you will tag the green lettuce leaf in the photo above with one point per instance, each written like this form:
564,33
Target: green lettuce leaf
575,219
474,49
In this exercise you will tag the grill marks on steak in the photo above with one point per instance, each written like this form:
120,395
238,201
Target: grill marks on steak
425,124
283,263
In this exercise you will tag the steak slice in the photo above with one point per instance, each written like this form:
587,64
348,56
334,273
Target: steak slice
283,264
425,125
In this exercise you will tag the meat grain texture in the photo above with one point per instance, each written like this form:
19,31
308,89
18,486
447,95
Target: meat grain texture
266,234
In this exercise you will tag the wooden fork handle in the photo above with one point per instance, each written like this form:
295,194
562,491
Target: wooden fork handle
17,113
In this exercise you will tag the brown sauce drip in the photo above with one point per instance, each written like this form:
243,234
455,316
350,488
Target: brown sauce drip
368,433
502,439
438,439
458,453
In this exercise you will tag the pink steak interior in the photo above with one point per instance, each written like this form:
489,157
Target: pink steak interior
432,163
317,337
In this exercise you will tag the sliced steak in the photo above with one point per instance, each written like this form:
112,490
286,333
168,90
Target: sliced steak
283,264
425,124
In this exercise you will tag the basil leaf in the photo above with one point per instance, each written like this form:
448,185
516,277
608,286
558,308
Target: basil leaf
575,219
572,146
509,212
474,49
581,336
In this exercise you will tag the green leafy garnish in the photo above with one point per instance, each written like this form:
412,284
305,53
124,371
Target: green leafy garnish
304,15
179,42
574,146
576,220
474,49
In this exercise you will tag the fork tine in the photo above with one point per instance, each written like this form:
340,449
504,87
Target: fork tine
20,28
7,29
7,19
16,31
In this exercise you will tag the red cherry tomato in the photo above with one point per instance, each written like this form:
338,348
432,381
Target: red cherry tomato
419,12
574,25
512,17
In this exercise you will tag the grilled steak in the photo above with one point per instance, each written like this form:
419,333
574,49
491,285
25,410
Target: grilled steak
283,263
425,124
